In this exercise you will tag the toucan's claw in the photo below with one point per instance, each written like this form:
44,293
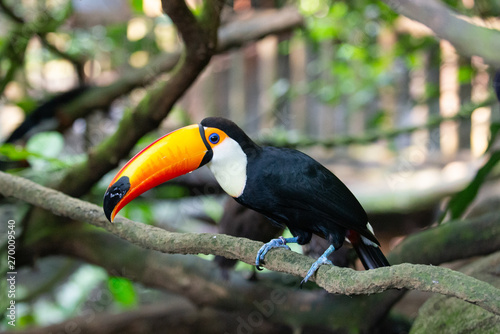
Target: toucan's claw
323,259
274,243
319,262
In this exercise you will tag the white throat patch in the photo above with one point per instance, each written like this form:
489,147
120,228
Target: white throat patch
229,166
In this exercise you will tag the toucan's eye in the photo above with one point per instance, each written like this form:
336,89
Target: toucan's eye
214,138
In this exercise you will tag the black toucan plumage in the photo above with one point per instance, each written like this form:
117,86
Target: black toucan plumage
286,185
293,189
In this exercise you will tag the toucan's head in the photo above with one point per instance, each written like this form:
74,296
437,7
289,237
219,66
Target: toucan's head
217,142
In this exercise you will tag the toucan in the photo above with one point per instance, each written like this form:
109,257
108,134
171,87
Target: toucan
287,186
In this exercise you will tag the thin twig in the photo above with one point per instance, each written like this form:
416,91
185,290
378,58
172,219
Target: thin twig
10,13
78,63
465,112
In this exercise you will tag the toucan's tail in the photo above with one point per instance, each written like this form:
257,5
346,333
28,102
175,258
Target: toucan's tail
370,255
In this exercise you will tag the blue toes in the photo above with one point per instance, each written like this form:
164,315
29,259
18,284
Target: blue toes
323,259
275,243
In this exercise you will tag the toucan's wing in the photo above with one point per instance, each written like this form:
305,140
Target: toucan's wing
298,181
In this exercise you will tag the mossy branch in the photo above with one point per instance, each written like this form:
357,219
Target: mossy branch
199,45
333,279
158,103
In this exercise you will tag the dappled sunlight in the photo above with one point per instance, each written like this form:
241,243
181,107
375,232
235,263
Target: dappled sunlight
166,37
61,74
137,28
449,101
458,171
139,59
402,191
480,130
10,118
152,8
92,68
61,41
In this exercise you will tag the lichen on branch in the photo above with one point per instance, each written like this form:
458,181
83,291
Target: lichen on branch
333,279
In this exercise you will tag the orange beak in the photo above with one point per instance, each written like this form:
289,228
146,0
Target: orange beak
172,155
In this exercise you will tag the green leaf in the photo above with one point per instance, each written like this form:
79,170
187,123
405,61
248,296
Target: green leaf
136,6
13,153
27,104
16,153
171,191
48,144
494,131
123,291
26,320
44,149
139,211
212,208
461,201
465,74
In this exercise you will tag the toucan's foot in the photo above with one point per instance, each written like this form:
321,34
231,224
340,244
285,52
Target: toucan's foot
323,259
275,243
319,262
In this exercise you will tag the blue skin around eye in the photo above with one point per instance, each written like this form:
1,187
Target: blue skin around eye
214,138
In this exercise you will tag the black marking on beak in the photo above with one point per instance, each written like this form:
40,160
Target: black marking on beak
114,194
210,153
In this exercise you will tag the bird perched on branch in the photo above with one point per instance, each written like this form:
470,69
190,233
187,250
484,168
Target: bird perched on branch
285,185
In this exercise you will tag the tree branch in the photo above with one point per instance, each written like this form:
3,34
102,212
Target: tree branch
257,25
232,35
465,112
199,280
461,317
446,242
10,13
333,279
469,39
155,318
78,62
152,109
17,43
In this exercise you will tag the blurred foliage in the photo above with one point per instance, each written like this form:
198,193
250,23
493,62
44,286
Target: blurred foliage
41,151
461,201
360,65
123,291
